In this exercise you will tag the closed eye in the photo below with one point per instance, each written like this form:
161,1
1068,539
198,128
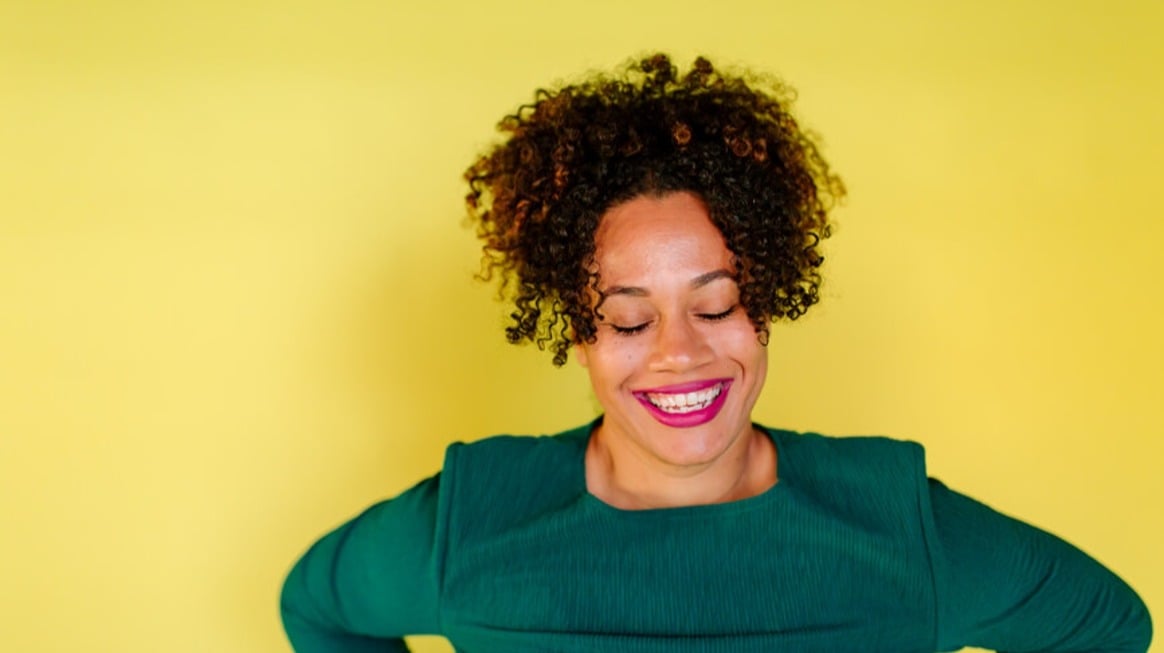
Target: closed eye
629,330
715,317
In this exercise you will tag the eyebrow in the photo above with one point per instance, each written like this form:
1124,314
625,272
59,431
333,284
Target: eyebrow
697,282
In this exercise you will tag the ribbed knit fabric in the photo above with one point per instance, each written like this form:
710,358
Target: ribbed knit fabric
853,549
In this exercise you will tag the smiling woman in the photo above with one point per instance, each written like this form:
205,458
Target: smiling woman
676,364
655,224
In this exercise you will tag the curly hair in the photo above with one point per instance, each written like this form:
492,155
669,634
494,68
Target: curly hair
536,198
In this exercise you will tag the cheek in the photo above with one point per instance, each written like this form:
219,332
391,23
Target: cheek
612,360
744,346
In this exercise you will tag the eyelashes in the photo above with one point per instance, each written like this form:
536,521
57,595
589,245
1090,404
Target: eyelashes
629,331
716,317
706,317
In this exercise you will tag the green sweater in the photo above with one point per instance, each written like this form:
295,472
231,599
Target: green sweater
853,549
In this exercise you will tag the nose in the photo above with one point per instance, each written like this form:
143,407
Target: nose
679,346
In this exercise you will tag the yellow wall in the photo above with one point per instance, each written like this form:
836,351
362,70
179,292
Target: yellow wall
235,303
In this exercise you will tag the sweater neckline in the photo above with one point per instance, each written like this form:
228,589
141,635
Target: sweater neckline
582,437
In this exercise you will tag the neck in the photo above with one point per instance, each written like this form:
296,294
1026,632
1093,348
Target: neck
633,480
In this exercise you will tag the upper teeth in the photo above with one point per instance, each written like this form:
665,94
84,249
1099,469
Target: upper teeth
685,402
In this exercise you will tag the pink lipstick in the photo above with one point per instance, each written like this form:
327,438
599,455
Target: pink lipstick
685,404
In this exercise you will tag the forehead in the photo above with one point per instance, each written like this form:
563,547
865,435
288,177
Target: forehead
652,234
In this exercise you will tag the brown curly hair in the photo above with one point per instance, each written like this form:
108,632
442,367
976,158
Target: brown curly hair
536,199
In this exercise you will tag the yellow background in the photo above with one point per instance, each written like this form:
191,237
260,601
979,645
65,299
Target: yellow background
235,295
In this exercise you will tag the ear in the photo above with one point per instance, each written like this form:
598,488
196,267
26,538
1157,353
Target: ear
580,355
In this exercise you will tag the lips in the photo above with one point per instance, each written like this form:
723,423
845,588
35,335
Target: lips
686,404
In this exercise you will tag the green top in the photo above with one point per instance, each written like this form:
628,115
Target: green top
852,550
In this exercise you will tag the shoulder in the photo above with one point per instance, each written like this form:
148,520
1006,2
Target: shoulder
877,481
502,480
824,457
510,454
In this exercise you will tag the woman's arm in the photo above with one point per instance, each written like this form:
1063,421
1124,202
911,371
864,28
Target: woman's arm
369,582
1007,586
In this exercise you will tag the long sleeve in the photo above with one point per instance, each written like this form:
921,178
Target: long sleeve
368,583
1007,586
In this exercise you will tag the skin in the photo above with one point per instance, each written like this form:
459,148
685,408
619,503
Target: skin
666,273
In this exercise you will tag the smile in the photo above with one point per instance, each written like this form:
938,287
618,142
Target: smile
687,404
678,404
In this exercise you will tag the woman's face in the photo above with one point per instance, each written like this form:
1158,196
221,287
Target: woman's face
676,364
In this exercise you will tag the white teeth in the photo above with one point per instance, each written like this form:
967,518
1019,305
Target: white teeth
686,402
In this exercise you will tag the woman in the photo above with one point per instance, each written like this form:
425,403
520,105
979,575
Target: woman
655,224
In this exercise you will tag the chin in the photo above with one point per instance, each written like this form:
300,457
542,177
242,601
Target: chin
692,446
